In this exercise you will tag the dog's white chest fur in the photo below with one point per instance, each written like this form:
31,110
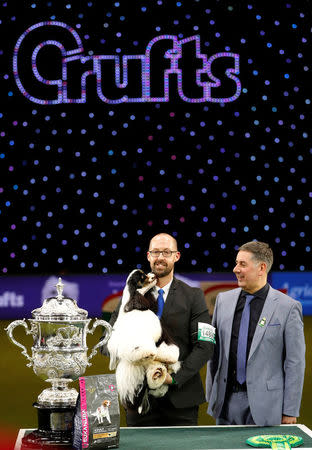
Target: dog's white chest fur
132,348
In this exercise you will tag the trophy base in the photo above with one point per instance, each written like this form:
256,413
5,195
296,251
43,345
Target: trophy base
54,428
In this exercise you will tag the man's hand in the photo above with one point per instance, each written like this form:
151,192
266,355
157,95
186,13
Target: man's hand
289,419
168,379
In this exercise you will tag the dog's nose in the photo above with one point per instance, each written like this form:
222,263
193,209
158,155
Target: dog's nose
151,276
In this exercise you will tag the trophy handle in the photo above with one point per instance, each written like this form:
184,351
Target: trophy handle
108,333
9,329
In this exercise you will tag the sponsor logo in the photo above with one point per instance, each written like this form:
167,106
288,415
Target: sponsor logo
303,291
11,300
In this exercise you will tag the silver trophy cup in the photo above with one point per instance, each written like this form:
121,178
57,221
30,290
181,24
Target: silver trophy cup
59,356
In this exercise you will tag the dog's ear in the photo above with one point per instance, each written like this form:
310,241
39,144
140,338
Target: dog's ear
142,280
136,275
137,279
133,280
137,301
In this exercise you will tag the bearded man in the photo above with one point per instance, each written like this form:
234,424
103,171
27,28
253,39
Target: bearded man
182,310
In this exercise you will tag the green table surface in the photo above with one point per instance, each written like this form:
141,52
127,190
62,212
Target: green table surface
198,438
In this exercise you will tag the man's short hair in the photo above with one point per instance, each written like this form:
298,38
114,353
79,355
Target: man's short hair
175,243
261,252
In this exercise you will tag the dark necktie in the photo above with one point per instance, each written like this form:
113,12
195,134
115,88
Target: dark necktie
242,341
160,302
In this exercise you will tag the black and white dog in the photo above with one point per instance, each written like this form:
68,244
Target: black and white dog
140,349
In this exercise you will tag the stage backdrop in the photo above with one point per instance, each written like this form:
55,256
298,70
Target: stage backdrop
121,119
99,294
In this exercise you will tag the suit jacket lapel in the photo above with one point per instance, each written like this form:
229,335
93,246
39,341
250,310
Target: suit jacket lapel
268,308
228,320
170,301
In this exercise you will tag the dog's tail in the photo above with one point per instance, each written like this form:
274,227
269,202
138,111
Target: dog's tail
145,404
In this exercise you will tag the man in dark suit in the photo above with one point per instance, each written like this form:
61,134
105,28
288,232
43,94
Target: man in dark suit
256,375
183,310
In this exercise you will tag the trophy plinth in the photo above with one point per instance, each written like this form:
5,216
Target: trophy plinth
54,428
59,356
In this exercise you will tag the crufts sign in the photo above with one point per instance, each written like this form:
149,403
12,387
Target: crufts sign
168,64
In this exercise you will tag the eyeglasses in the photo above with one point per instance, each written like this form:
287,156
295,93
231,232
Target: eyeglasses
165,253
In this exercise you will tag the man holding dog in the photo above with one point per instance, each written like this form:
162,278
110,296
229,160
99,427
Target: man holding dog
256,374
183,309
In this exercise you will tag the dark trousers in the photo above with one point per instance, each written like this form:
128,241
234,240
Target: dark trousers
162,413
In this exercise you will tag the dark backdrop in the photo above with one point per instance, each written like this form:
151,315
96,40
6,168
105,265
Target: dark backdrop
85,185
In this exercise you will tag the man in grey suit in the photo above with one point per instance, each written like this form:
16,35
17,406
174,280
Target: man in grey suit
257,372
184,308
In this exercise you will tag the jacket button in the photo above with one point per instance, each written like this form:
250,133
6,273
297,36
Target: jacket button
224,380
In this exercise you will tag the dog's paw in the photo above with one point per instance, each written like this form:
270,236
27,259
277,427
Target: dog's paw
156,373
141,354
174,368
168,354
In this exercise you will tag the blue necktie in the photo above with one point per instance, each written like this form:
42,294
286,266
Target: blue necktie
160,302
242,341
